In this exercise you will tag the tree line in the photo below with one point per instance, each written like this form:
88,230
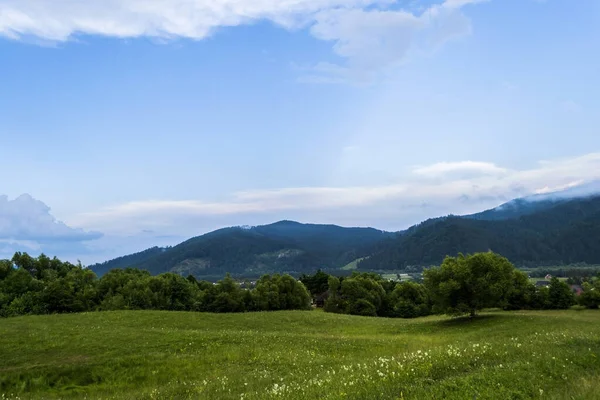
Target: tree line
46,286
460,285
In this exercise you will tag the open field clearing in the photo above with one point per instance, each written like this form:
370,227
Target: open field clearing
300,355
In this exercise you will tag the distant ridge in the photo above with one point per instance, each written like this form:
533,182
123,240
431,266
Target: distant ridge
550,228
284,246
548,232
537,202
126,261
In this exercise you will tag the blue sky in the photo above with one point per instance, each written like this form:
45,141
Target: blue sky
130,123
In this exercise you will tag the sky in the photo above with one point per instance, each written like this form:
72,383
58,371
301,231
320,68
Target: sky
126,124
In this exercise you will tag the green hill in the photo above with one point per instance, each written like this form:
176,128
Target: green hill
549,229
300,355
284,246
537,203
125,261
564,233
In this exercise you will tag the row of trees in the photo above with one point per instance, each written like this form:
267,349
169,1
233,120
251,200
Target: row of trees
367,294
43,286
461,285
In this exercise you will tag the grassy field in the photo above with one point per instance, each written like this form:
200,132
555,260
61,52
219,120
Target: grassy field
352,265
300,355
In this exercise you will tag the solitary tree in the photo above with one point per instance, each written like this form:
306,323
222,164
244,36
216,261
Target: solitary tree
466,284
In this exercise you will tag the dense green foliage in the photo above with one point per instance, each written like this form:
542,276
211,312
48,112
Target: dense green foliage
300,355
568,271
590,297
360,294
566,233
47,286
461,285
467,284
317,283
285,246
409,300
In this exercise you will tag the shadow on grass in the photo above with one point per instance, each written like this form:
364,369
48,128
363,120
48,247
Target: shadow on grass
459,323
467,320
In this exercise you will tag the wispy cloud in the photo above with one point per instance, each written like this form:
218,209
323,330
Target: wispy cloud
426,191
548,189
376,41
60,20
470,167
436,185
371,35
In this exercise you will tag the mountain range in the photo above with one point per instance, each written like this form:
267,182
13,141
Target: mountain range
550,229
284,246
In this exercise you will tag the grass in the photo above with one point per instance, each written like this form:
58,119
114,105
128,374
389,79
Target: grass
535,280
300,355
351,266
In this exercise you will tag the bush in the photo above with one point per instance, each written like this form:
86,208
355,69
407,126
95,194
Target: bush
409,300
362,307
560,295
590,298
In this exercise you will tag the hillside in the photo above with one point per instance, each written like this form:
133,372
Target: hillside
284,246
515,209
537,203
300,355
567,231
547,229
125,261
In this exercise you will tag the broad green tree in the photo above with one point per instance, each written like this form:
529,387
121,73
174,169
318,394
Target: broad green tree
467,284
281,292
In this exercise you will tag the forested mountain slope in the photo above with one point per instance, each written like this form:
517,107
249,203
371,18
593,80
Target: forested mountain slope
548,229
565,232
284,246
126,261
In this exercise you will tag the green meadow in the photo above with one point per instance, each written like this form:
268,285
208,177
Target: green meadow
300,355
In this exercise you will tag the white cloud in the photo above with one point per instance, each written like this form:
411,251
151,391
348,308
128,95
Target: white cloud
547,189
439,189
25,219
195,19
370,34
461,3
470,167
428,192
368,39
379,40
